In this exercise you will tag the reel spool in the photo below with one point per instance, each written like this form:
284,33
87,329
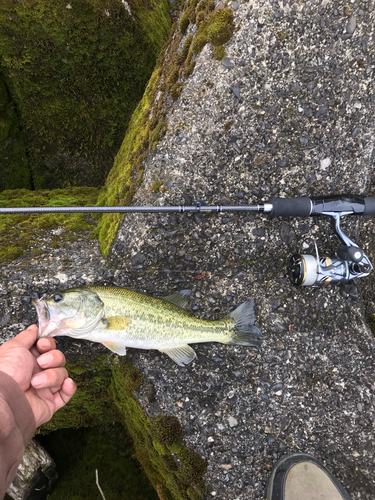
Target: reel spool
307,270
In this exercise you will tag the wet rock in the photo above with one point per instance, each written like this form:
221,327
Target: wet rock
226,62
287,234
137,259
259,231
283,162
321,111
236,91
356,132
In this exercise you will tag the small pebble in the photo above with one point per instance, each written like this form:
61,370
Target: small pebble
226,62
236,91
352,24
325,163
356,132
232,421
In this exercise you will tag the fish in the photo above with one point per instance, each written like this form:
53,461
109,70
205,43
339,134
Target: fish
119,318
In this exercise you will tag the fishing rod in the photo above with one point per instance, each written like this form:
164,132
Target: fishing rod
348,263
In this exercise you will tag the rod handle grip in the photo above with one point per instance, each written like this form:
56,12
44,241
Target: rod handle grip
290,207
369,205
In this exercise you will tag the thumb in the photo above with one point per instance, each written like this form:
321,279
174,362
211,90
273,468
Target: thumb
26,338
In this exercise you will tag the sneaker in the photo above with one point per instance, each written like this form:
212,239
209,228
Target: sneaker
302,477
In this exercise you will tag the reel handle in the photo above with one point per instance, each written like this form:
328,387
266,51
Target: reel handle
350,254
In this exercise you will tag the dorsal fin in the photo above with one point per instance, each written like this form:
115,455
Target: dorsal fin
179,299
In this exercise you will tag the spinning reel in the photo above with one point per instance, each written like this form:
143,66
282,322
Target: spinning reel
349,262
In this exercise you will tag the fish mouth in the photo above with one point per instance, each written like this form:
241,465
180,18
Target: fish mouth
46,325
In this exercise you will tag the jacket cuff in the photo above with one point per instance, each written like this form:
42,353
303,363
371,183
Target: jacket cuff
19,405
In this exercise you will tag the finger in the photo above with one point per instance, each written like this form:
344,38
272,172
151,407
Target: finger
52,378
65,393
46,344
26,338
51,359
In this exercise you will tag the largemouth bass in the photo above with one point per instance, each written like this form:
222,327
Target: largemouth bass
120,318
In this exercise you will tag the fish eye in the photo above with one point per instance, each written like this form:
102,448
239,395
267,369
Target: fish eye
58,297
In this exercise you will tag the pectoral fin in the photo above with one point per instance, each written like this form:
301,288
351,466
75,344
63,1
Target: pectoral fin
118,323
117,348
182,355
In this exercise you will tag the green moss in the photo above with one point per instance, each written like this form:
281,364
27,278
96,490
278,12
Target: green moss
372,323
167,430
282,36
172,76
90,404
181,56
219,52
76,75
290,111
108,448
184,21
22,233
121,184
205,6
157,133
199,41
203,10
193,467
14,165
219,27
156,186
176,90
105,397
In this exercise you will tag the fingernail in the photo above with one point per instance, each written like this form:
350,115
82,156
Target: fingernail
38,380
44,360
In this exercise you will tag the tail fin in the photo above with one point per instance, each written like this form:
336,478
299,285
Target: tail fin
244,332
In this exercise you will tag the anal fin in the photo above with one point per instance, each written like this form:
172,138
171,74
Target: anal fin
182,355
117,348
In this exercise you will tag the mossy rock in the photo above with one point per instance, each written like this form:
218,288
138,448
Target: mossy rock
76,72
22,234
148,125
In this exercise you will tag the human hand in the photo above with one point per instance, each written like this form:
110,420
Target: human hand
39,371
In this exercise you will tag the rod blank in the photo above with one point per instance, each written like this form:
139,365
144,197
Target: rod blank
125,210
